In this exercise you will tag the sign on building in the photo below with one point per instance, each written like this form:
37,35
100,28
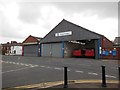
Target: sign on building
63,34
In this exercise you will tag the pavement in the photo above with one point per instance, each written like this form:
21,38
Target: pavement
71,84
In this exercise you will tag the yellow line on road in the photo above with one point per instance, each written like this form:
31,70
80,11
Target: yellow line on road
51,84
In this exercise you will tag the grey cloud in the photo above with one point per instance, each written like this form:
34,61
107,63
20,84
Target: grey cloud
29,12
103,9
8,31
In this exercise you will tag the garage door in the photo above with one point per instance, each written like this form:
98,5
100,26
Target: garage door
52,50
46,50
31,50
56,50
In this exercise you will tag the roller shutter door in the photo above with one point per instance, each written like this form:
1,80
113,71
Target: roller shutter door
46,50
56,50
31,50
52,50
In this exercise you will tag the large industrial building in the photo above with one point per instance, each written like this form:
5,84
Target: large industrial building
67,40
66,37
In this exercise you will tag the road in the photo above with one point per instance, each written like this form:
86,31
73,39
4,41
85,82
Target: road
20,70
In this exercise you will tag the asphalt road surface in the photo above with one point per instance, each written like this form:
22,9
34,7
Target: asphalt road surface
21,70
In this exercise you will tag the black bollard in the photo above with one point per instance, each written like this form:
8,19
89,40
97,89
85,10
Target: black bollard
65,78
103,77
119,76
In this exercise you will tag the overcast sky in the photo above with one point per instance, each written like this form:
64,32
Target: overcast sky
20,19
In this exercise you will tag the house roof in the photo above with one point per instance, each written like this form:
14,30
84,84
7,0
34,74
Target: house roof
12,44
31,39
78,33
117,41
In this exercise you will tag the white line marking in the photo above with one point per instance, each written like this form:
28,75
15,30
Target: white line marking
15,70
36,65
17,63
47,67
14,63
57,68
10,62
92,73
32,66
79,71
22,64
26,65
42,66
110,76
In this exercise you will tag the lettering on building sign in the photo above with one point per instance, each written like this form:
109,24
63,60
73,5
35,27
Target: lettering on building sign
63,34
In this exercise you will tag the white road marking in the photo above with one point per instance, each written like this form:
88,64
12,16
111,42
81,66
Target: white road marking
110,76
79,71
22,64
10,62
32,66
17,63
57,68
26,64
36,65
42,66
47,67
14,63
15,70
92,73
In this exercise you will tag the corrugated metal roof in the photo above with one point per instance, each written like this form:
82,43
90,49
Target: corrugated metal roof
78,33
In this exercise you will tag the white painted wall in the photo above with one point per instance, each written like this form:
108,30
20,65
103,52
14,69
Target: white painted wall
16,50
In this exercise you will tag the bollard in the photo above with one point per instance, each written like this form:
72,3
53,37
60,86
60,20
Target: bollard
103,77
65,78
119,76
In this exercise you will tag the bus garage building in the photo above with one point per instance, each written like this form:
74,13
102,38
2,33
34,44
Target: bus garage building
67,37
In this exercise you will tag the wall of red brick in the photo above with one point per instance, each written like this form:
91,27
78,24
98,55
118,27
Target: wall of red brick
30,39
108,45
